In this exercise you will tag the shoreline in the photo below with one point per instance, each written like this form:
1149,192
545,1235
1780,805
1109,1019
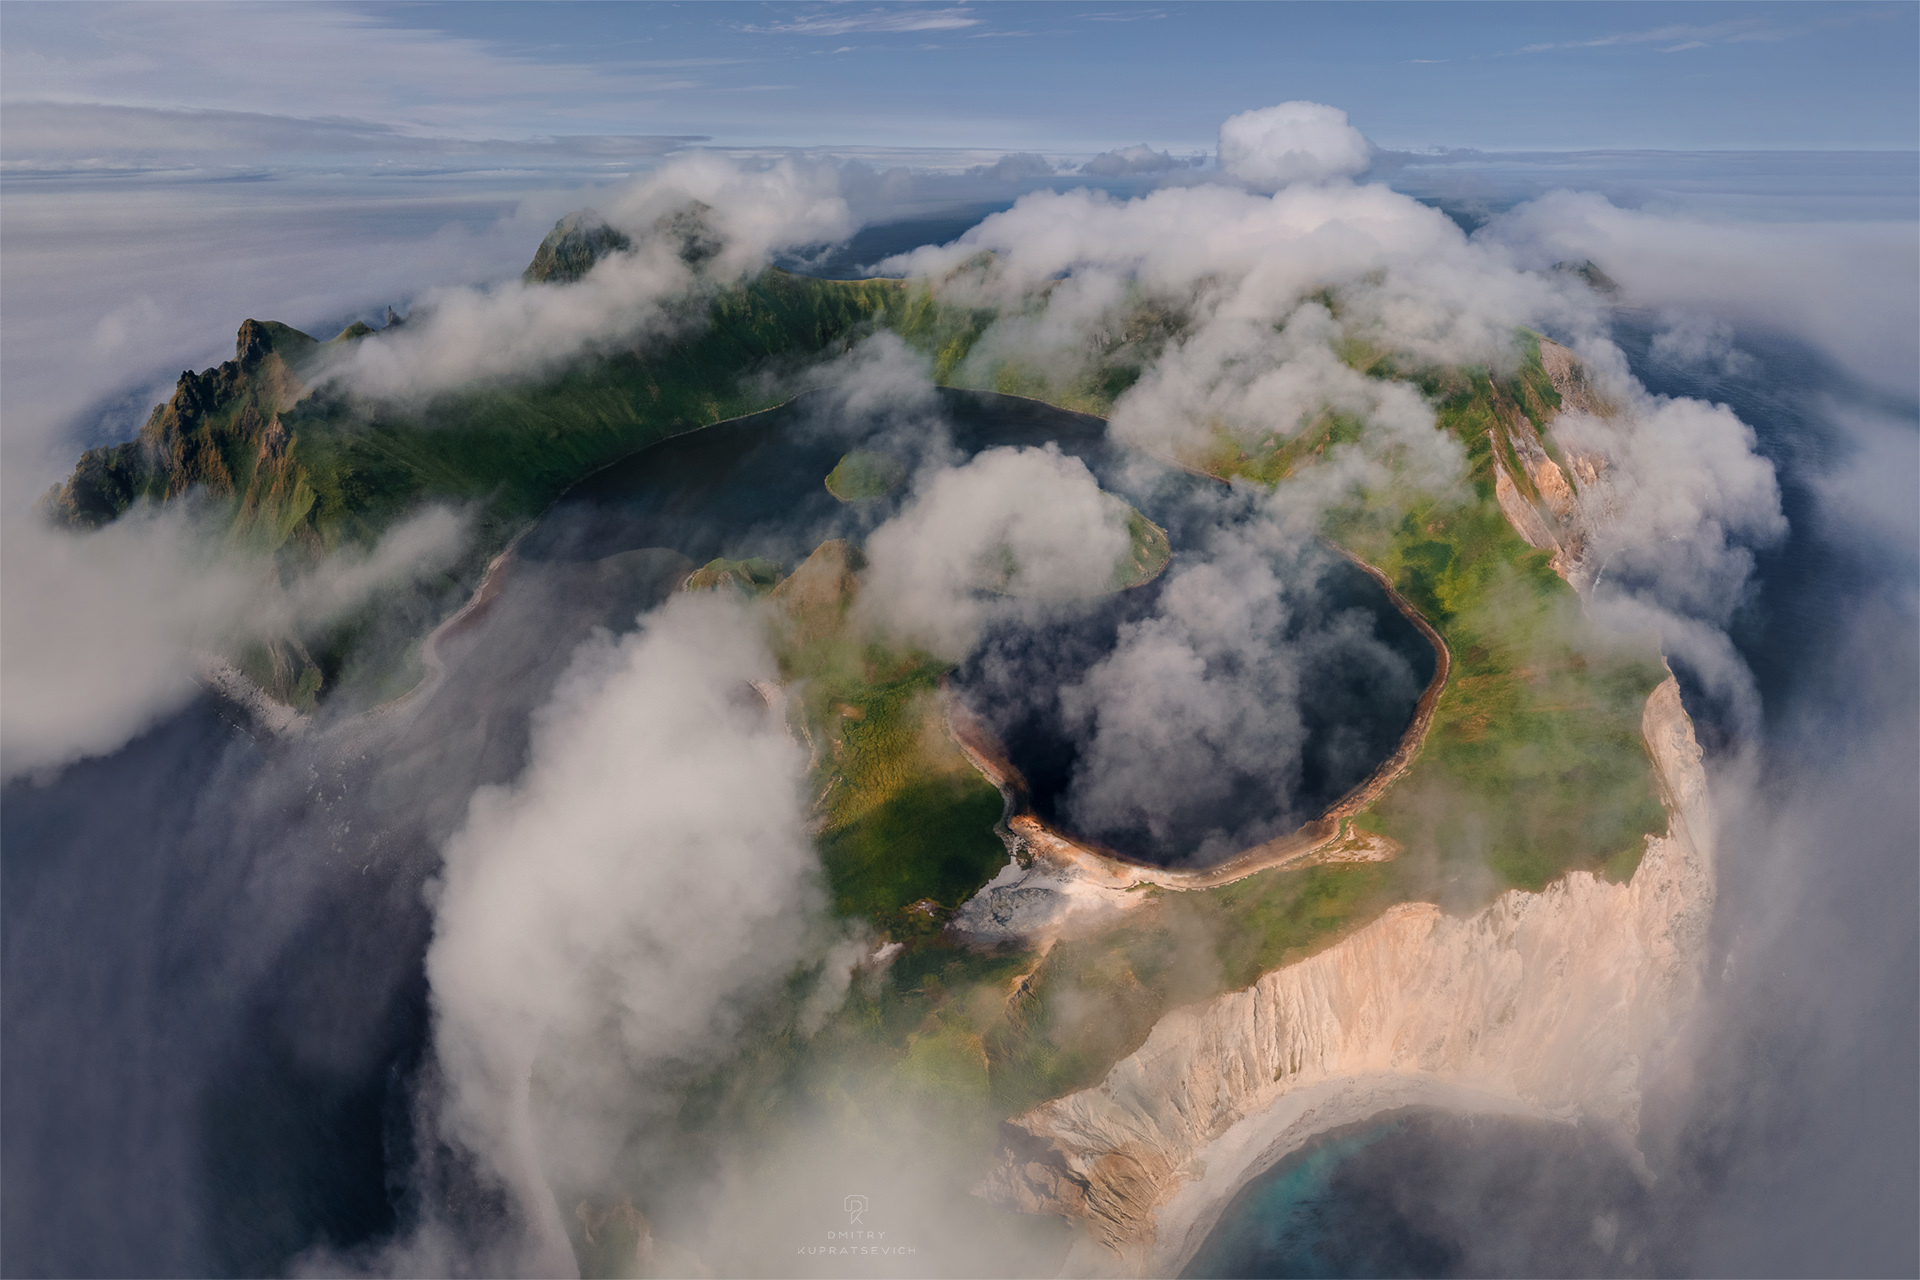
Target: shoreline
1252,1147
1543,1004
988,755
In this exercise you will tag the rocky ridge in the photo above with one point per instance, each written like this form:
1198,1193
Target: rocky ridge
1546,1004
1542,1002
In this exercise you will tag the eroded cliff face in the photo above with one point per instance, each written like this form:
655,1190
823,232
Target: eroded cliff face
1544,1003
1548,1002
1551,506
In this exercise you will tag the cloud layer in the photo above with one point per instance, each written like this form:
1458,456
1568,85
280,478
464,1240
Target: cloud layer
105,630
608,918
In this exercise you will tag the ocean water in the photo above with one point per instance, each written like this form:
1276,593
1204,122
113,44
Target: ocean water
1796,1153
212,1014
1427,1193
213,1002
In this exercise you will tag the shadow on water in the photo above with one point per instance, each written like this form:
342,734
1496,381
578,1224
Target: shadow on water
1428,1193
755,487
1796,1151
214,1003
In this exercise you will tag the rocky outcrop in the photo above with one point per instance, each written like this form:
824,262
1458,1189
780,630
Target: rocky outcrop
575,244
1542,1002
1553,507
210,436
583,238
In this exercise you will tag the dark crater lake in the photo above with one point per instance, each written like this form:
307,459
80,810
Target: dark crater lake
755,487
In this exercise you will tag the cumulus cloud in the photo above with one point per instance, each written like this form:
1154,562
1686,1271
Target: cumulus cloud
1261,386
1699,341
610,916
1844,288
104,630
1125,162
1014,167
516,329
1677,521
1293,142
881,377
1031,524
1689,501
1191,730
1258,354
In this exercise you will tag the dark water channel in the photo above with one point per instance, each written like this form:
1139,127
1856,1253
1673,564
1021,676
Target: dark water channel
1737,1190
754,487
213,999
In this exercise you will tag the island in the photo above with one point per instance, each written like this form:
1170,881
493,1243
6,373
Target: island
1507,913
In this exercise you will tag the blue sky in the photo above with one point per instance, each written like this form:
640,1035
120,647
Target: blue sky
1059,77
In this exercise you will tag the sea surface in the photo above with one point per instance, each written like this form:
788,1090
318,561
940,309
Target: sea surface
214,1009
213,1015
1829,637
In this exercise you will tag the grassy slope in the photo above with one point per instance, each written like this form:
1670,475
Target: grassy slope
1533,764
516,449
906,824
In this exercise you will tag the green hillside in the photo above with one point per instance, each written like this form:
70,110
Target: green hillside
1533,765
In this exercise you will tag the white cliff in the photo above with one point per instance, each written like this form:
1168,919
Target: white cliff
1543,1003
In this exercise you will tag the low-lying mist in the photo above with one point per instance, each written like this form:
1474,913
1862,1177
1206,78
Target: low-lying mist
463,987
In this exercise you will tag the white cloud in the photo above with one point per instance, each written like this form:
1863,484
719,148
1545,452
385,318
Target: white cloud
318,62
514,330
880,21
1253,359
1293,142
1127,161
1199,704
1847,289
1684,35
103,630
1701,342
602,920
1032,523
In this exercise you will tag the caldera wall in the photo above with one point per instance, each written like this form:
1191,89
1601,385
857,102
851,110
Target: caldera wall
1546,1003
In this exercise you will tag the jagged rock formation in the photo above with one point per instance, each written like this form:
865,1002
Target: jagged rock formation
1587,270
1545,1002
1533,490
220,429
583,238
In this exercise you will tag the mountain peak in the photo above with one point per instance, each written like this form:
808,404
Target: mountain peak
576,242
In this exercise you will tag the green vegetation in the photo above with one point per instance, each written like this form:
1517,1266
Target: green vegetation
1087,383
300,472
863,474
1148,552
1272,459
1533,765
755,576
517,448
310,469
907,824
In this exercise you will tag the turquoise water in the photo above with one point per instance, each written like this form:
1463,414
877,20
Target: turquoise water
1430,1193
1274,1220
